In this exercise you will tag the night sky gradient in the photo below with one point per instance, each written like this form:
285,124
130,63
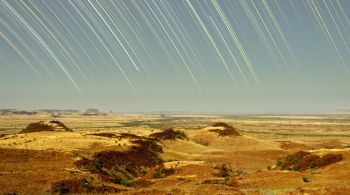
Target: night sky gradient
214,56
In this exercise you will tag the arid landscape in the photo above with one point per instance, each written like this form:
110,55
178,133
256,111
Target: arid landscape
174,154
175,97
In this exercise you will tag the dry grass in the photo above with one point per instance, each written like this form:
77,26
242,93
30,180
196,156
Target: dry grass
32,162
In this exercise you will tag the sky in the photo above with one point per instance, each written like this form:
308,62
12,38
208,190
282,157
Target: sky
211,56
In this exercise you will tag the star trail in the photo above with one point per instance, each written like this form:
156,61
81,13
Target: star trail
191,46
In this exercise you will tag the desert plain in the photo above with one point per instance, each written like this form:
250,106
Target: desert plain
178,154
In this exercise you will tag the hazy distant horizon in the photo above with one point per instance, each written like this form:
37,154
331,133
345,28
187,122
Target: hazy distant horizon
179,112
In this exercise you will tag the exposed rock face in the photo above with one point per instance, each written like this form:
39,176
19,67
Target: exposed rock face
227,130
302,161
169,134
81,186
122,167
45,126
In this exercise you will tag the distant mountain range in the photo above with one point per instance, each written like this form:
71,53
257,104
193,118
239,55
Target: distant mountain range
54,112
59,111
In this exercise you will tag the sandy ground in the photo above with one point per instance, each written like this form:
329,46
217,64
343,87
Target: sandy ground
30,162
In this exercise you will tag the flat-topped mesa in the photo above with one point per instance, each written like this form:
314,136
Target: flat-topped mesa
93,112
16,112
50,125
